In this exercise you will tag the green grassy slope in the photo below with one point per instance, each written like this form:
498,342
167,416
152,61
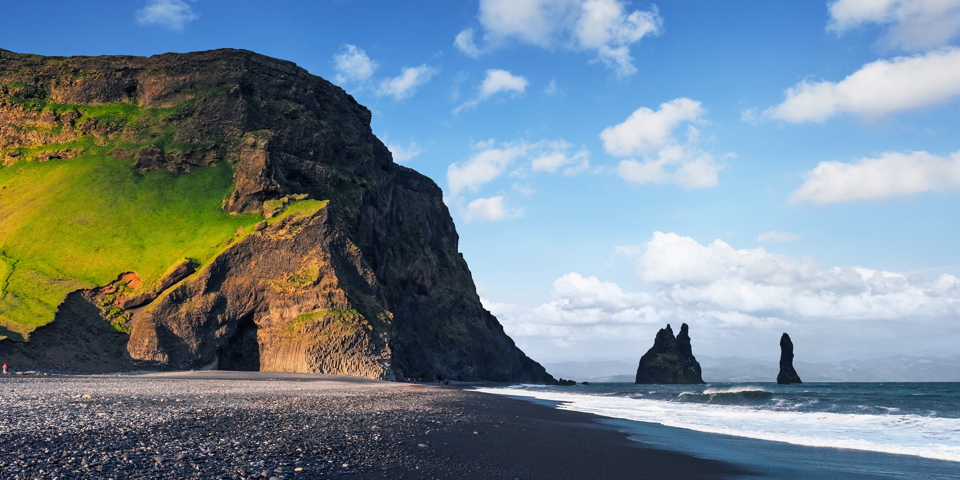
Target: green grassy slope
79,223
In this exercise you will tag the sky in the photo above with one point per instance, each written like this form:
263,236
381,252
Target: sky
746,167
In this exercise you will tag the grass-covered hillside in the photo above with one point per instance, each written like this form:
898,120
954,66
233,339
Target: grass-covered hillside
79,223
76,212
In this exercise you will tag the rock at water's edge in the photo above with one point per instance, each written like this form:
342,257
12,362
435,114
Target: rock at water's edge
670,360
787,374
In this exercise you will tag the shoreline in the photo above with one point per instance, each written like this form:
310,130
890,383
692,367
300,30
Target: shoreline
765,458
251,425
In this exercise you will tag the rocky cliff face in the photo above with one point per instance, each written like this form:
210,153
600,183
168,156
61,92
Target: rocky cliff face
369,284
670,360
787,374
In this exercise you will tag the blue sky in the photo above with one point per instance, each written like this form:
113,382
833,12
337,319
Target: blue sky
747,167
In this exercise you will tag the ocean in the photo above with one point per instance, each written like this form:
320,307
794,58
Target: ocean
853,430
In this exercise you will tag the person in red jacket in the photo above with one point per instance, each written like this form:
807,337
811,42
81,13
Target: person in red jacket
4,368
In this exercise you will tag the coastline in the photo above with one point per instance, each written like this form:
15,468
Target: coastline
762,458
264,425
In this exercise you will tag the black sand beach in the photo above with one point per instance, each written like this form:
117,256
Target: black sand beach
262,425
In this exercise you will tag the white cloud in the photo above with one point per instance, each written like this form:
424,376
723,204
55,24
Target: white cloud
551,156
482,167
501,81
489,210
353,65
403,154
893,174
647,130
666,159
519,158
496,81
878,88
734,300
912,25
464,42
676,165
539,22
404,85
493,159
604,27
173,14
775,236
758,283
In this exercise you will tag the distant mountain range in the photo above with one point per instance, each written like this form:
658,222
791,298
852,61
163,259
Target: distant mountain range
734,369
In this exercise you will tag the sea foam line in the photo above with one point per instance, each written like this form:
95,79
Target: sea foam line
928,437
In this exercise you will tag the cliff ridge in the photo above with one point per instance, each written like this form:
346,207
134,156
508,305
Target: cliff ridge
226,210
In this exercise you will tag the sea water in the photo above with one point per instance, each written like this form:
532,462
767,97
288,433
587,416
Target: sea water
915,420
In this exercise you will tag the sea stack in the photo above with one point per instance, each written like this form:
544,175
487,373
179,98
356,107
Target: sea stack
670,360
787,374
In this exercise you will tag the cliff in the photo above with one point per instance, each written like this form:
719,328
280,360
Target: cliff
224,209
787,374
670,360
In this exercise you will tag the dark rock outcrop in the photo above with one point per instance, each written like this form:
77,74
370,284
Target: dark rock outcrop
787,374
670,360
371,285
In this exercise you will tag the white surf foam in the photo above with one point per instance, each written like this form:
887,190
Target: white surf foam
929,437
736,389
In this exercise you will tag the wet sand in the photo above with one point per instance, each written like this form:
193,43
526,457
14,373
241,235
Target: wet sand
243,425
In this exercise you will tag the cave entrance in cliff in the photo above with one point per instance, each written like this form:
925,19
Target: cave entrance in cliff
242,350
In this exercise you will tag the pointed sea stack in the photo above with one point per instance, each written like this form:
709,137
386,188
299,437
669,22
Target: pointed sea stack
787,374
670,360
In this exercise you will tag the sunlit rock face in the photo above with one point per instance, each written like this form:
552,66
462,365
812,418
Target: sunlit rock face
354,268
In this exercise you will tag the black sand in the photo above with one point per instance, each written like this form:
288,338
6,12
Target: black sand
285,426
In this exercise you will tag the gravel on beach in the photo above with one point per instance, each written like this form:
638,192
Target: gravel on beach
257,425
154,427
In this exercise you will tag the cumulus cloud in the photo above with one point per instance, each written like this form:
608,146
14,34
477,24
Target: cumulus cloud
775,236
353,65
550,156
173,14
652,135
493,159
496,81
604,27
489,210
647,130
732,297
501,81
405,85
878,88
482,167
911,25
403,154
892,174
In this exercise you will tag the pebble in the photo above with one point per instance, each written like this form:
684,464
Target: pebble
144,428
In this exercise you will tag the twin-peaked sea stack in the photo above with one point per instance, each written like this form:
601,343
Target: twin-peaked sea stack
670,360
224,210
787,374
